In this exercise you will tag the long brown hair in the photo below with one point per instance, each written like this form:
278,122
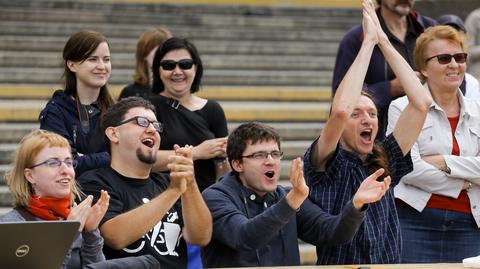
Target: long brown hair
146,43
77,49
379,158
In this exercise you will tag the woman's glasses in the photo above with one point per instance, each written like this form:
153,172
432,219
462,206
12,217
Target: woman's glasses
144,122
184,64
460,58
55,163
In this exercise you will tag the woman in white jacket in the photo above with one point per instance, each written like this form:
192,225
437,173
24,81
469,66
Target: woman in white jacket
438,202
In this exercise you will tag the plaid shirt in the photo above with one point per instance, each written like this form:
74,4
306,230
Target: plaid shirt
378,238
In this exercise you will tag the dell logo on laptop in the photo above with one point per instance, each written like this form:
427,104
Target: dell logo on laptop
22,251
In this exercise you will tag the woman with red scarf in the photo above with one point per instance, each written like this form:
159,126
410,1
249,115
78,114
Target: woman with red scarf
42,183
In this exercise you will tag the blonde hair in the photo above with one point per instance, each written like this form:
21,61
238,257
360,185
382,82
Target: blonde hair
30,145
146,43
439,32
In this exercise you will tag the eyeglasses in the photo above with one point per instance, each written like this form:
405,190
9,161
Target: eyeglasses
144,122
184,64
55,163
261,155
447,58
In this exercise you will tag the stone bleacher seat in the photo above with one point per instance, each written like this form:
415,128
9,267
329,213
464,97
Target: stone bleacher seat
266,63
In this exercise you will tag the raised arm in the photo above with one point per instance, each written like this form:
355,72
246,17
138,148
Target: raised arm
413,116
345,98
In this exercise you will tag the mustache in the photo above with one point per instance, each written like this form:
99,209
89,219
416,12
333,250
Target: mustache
404,2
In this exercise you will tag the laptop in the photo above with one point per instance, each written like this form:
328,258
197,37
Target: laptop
35,244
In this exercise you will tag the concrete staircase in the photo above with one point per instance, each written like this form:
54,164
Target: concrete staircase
263,62
266,63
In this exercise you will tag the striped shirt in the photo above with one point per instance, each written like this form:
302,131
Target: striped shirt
378,238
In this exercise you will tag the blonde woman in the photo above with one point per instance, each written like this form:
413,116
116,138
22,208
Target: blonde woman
43,186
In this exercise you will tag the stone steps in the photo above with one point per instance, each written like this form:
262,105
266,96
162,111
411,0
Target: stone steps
236,62
226,93
28,111
292,78
28,44
256,18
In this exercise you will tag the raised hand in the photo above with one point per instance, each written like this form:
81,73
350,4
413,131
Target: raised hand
81,211
371,190
369,11
296,177
299,191
97,212
368,24
181,168
210,149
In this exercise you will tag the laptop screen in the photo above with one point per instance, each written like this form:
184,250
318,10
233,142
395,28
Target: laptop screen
35,244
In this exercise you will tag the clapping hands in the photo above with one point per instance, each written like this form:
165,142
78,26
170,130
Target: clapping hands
181,168
90,216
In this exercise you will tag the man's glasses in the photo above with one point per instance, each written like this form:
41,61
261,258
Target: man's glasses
262,155
55,163
144,122
447,58
184,64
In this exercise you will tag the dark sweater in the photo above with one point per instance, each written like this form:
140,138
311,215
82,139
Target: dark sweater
60,116
250,230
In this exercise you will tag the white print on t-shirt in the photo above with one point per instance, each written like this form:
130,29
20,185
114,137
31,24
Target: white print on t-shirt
164,237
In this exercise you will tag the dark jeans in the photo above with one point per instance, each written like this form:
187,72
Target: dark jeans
437,235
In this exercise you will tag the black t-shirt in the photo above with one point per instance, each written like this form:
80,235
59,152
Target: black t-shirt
164,240
135,90
184,127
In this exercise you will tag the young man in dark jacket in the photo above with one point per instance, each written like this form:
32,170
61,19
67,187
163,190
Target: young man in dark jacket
402,26
257,222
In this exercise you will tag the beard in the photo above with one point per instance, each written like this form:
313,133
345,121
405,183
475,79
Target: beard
147,158
399,8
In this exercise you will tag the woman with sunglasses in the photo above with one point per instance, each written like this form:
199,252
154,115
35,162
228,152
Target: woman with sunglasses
345,152
187,118
74,112
42,183
438,202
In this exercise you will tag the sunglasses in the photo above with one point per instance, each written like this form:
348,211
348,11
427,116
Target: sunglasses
184,64
460,58
144,122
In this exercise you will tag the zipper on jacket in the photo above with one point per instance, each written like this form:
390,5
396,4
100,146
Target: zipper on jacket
74,138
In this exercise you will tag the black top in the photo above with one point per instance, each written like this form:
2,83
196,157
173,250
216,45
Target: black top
135,90
164,241
185,127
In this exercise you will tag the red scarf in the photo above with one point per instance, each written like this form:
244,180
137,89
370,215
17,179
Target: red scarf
50,208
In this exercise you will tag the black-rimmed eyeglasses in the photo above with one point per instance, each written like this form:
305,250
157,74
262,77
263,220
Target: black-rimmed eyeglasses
55,163
184,64
262,155
144,122
460,58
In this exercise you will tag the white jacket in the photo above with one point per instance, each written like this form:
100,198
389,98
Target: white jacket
416,187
